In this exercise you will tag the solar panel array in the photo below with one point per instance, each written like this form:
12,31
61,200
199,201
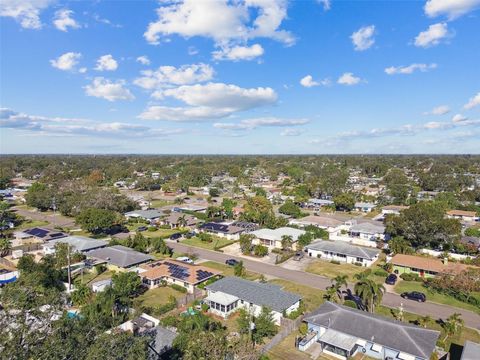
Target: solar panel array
177,271
37,232
202,275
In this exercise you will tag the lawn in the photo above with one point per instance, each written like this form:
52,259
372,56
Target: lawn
286,350
312,298
163,233
91,276
228,270
330,270
407,286
31,224
216,243
158,296
159,203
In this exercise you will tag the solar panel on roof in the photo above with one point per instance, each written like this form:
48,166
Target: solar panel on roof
37,232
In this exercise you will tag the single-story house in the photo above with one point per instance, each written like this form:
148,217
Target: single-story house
318,203
36,234
176,219
247,226
367,231
427,195
228,231
231,293
273,238
425,266
175,272
471,241
343,332
101,285
343,252
364,207
119,256
462,215
191,207
393,209
77,244
471,351
151,215
322,222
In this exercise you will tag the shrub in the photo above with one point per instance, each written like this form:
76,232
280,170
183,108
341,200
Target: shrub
380,272
284,256
152,228
357,263
205,307
260,250
410,277
100,268
350,303
336,262
178,288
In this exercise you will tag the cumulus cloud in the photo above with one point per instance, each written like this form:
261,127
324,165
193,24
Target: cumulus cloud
362,39
229,24
63,20
410,68
11,119
348,79
144,60
25,12
439,110
472,102
67,61
237,53
106,63
450,8
250,124
432,36
326,4
308,81
109,90
459,118
291,132
170,75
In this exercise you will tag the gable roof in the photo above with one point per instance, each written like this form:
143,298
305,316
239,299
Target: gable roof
322,221
174,218
80,243
257,293
368,228
342,247
276,234
364,205
427,263
394,334
146,214
120,256
193,274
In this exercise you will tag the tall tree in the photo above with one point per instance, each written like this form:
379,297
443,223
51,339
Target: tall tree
370,292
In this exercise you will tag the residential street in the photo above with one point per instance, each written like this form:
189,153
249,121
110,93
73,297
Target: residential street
392,300
54,220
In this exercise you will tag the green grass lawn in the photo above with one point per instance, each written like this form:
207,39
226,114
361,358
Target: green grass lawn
217,242
312,298
91,276
31,224
159,203
228,270
286,350
330,270
163,233
407,286
158,296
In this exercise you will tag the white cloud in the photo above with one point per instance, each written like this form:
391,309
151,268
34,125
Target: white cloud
439,110
192,50
170,75
451,8
432,36
250,124
459,118
291,132
82,70
183,114
237,53
326,4
308,82
228,23
472,102
106,63
64,20
109,90
348,79
25,12
67,61
410,68
362,39
144,60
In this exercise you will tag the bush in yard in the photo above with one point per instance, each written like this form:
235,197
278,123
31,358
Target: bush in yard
152,228
350,303
336,262
260,250
205,237
410,277
303,329
357,263
100,268
380,272
205,307
179,288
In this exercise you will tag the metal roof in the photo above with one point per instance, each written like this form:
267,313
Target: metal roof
257,293
394,334
341,247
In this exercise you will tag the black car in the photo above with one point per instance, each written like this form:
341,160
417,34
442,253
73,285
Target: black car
175,236
391,279
231,262
414,295
142,228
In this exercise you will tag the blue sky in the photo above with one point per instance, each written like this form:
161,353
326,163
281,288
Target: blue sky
248,76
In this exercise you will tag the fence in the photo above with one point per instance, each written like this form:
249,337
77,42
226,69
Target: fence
7,264
184,300
287,327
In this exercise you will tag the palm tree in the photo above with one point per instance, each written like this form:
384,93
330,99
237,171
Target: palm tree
453,325
332,295
337,283
370,292
182,221
5,246
287,241
424,320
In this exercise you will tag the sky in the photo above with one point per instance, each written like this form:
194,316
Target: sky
240,77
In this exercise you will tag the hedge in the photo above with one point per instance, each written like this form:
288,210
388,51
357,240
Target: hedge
178,288
380,272
411,277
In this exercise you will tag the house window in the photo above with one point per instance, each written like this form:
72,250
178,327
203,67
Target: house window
359,259
241,301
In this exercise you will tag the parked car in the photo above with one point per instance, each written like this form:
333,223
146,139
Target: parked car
231,262
185,259
391,279
414,295
142,228
175,236
190,234
298,256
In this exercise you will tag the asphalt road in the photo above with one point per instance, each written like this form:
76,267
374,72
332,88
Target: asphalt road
54,220
319,282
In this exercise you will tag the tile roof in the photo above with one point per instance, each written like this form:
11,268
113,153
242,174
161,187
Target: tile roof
192,274
120,256
427,263
342,247
394,334
257,293
462,213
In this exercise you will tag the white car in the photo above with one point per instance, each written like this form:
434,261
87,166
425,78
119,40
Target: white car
185,259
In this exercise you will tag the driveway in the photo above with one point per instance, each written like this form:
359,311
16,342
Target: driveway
234,250
319,282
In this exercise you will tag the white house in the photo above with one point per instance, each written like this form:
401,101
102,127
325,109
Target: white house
101,285
393,209
228,231
364,207
462,215
229,294
273,238
343,252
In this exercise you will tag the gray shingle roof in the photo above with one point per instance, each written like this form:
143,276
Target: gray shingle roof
257,293
342,247
471,351
120,256
394,334
163,339
368,228
146,214
81,243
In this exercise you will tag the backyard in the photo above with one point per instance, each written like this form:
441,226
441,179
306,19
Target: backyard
158,296
217,242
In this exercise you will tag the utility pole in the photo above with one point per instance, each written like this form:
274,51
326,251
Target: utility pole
54,207
69,273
